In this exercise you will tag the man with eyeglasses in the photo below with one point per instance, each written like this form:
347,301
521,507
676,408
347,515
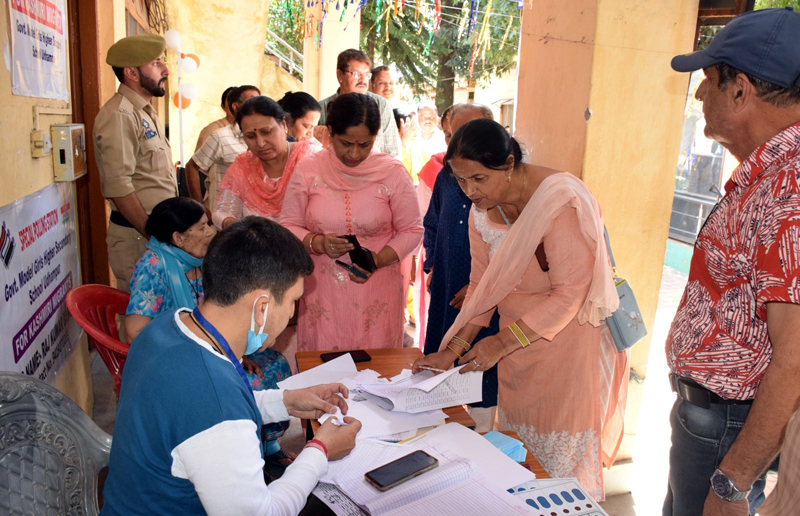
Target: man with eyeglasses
353,71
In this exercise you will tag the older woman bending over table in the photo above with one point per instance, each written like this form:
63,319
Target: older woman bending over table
539,258
256,182
347,190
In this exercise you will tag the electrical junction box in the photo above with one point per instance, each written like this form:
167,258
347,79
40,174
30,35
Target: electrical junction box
69,151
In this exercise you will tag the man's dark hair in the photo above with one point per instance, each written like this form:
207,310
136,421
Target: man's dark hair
486,142
351,110
237,94
351,54
119,72
250,254
224,100
770,93
260,105
171,215
377,70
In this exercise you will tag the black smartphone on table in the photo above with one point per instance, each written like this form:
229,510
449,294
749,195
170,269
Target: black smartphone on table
400,470
360,256
359,355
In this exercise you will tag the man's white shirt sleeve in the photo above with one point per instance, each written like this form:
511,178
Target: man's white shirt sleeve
225,466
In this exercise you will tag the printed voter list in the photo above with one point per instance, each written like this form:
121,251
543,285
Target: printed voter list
39,256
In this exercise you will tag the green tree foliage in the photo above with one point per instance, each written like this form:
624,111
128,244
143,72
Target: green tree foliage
427,61
767,4
286,20
433,62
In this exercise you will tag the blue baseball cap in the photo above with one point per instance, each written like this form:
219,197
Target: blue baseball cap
764,44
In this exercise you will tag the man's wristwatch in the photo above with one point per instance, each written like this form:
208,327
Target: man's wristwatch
725,488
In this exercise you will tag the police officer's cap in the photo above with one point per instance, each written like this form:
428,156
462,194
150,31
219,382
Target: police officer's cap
136,50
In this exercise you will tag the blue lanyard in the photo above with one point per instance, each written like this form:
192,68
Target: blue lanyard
220,341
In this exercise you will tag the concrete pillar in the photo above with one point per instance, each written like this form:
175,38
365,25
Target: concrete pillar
338,33
604,104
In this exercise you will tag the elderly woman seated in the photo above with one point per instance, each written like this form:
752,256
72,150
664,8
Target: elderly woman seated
168,276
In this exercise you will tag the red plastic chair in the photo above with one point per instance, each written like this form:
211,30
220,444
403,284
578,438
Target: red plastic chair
95,308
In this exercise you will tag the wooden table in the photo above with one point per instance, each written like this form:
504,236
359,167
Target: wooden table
390,362
387,362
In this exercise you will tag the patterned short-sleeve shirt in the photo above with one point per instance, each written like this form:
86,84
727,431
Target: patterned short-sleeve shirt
747,255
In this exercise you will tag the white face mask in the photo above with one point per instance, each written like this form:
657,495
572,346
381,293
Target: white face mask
256,340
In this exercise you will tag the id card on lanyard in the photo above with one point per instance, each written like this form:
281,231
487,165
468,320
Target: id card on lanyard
212,333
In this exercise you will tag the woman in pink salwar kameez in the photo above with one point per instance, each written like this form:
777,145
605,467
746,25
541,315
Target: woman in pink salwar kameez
539,258
347,190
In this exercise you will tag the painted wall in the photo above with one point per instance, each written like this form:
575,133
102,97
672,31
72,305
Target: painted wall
20,175
228,37
611,57
275,81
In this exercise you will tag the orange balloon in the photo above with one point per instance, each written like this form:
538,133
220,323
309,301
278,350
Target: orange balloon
194,56
184,102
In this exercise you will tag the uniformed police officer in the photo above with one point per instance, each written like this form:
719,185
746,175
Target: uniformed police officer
131,149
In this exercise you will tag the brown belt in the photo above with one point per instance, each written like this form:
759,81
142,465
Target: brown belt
694,393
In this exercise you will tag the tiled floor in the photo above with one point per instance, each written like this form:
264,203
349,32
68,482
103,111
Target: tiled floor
651,447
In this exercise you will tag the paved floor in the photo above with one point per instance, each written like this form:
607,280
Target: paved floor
650,457
651,446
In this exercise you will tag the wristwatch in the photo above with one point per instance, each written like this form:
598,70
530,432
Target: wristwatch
725,488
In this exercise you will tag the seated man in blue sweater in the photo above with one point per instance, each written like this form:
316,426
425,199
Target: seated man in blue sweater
186,439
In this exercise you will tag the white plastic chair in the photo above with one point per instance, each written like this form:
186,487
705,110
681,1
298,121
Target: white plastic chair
50,451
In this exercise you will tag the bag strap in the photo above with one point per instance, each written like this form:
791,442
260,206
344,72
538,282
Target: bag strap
610,253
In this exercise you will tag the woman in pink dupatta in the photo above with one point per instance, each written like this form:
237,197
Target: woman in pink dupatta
346,190
539,258
255,183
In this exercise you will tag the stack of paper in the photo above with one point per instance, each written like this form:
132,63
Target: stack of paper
375,421
426,391
513,448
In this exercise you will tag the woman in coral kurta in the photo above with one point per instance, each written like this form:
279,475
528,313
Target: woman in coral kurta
347,190
539,259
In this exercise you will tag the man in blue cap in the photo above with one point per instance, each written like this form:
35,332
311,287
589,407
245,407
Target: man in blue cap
734,345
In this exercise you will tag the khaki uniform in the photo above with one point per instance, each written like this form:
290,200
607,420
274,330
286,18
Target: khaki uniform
133,156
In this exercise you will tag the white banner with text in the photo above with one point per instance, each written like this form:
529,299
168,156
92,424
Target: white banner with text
40,263
38,34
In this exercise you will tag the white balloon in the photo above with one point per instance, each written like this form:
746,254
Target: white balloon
188,64
189,91
173,38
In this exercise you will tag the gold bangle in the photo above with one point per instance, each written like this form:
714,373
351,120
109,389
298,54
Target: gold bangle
454,351
461,342
518,333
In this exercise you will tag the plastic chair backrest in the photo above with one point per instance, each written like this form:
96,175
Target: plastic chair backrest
50,450
95,308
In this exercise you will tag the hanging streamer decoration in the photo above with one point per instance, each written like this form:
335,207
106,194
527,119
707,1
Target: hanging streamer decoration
361,4
388,12
431,35
322,21
505,36
437,17
471,10
485,31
